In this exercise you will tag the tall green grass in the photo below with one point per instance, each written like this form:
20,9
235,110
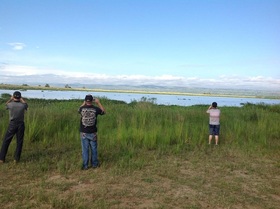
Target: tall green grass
159,154
52,128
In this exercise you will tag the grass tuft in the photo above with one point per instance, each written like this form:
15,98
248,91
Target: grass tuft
152,156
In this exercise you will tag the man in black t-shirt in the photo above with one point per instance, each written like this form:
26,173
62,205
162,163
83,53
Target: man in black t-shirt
17,107
88,130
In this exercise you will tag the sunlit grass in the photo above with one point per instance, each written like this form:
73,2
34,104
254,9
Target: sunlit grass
158,144
149,126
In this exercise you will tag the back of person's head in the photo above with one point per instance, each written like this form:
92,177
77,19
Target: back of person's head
89,98
17,95
214,104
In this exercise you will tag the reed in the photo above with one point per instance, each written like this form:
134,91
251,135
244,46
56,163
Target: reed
159,145
150,126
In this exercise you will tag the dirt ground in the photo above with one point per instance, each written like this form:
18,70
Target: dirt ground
173,182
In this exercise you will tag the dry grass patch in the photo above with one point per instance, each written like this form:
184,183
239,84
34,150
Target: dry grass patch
195,180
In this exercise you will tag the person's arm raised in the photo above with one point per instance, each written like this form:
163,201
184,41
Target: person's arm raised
99,105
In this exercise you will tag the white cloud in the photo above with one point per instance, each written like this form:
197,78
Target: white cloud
27,74
19,70
17,46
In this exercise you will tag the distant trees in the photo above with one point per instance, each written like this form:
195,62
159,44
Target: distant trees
67,86
47,85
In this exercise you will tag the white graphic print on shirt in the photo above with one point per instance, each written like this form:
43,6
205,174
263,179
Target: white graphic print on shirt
88,116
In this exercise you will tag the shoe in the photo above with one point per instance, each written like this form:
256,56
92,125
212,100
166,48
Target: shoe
96,166
84,168
15,161
1,161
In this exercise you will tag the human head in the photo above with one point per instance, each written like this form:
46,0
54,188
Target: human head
214,104
17,95
89,98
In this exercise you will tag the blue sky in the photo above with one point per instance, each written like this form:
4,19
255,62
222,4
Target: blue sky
205,43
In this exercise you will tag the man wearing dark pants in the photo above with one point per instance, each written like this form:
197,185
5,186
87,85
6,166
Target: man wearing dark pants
17,107
88,130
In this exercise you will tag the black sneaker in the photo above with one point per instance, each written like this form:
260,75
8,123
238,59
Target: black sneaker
84,168
97,166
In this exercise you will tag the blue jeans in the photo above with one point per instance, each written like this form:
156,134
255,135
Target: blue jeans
89,140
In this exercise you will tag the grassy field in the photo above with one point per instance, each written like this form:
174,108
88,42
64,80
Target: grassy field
152,157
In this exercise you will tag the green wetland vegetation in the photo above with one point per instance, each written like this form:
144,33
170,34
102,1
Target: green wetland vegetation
152,157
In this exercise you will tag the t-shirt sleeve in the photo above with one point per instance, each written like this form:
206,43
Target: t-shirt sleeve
100,112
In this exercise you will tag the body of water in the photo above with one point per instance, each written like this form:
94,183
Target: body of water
161,99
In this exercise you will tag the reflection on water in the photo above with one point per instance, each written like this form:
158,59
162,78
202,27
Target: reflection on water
180,100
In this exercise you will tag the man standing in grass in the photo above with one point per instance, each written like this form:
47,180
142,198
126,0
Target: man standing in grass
214,122
17,107
88,130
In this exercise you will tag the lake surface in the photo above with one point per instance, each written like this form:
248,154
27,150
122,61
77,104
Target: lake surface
161,99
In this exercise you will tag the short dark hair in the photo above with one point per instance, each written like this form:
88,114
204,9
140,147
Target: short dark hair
17,95
214,104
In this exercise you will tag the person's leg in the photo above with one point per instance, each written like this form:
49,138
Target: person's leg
6,142
94,153
216,139
20,136
85,150
210,138
217,132
211,127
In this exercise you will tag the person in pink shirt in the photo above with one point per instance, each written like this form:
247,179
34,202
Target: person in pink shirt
214,122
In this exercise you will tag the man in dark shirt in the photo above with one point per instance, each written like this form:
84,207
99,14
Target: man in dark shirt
17,107
88,130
